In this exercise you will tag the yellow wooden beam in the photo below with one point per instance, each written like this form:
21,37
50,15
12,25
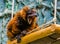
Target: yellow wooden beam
38,35
57,28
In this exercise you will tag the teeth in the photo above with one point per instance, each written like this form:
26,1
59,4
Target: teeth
29,21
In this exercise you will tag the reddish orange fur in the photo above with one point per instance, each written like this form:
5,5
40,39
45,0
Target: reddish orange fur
13,22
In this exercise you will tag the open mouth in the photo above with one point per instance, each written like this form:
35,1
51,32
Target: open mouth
31,14
31,17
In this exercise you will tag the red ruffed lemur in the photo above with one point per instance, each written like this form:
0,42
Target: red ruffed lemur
23,22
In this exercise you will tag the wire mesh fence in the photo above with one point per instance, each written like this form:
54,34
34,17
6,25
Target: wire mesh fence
48,13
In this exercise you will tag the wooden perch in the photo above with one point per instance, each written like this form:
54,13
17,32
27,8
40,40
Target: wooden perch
57,28
38,34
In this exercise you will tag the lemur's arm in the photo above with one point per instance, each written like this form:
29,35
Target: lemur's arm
11,26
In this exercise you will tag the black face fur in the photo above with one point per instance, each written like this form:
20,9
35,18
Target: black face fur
24,24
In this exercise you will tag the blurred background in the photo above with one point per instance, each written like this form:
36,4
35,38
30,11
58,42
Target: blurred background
45,10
